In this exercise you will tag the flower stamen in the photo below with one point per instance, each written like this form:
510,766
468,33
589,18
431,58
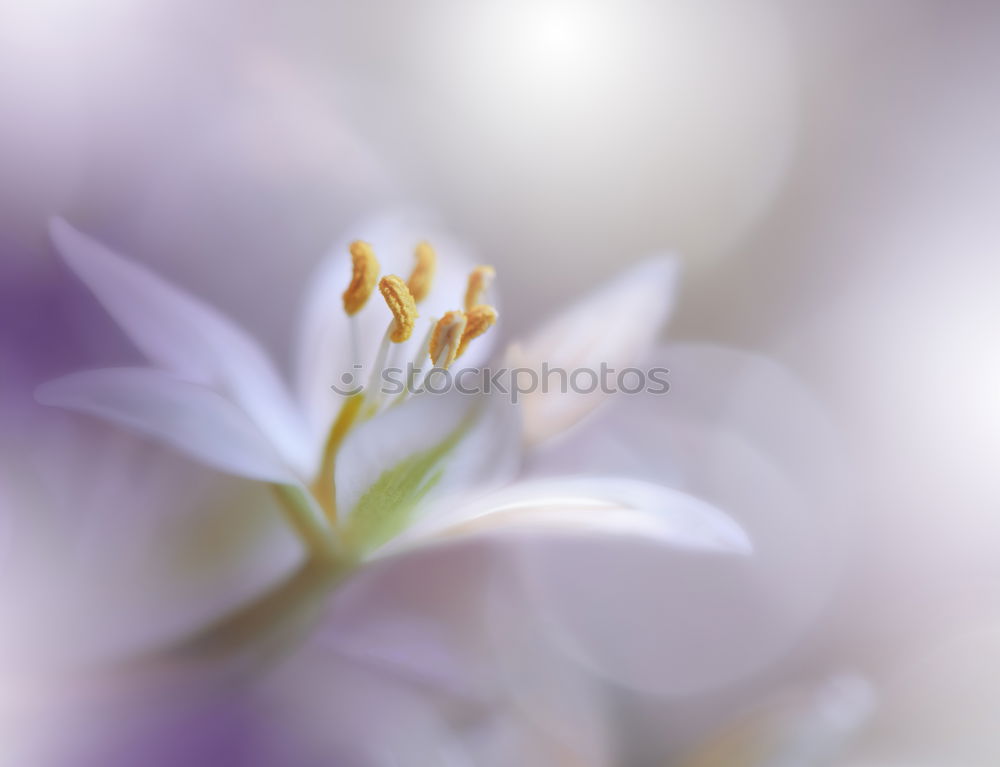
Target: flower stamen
363,277
478,319
447,338
480,280
422,276
400,302
404,316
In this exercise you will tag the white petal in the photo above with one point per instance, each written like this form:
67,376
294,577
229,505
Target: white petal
648,597
593,506
181,333
324,352
187,416
614,327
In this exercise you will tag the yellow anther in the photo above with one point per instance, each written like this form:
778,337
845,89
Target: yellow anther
402,306
447,338
422,276
478,320
479,282
363,278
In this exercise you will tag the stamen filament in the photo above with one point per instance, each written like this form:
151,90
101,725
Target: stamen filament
355,334
416,380
373,391
324,487
404,316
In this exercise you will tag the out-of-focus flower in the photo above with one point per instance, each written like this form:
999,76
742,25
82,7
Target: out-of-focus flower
735,428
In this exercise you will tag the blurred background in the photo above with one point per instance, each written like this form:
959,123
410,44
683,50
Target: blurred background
828,172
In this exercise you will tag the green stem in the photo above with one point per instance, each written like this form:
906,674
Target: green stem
306,519
273,620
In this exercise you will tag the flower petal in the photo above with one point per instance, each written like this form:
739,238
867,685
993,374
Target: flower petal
324,354
615,327
187,416
636,582
186,336
429,446
593,506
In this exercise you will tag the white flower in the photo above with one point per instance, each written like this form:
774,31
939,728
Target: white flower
215,395
355,470
735,429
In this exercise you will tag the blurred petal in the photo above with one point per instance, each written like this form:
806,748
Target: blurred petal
187,416
188,337
737,430
324,352
615,327
124,545
449,621
418,616
429,446
802,728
